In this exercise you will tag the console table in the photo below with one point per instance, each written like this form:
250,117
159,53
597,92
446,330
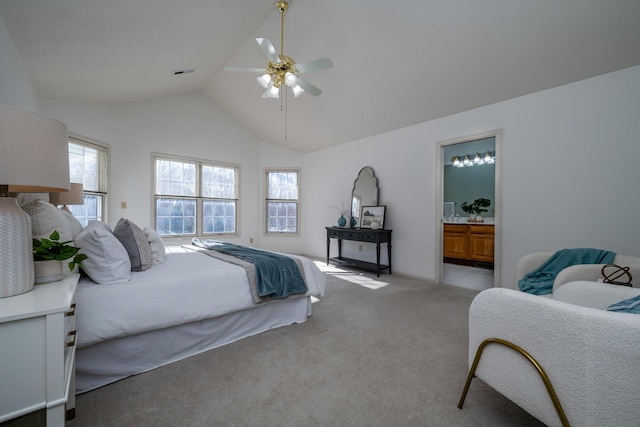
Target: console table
360,235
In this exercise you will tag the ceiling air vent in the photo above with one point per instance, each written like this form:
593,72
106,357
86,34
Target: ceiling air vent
185,71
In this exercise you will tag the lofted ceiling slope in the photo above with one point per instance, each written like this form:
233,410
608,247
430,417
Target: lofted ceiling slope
395,63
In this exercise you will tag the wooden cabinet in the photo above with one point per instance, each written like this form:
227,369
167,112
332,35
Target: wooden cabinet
468,242
456,241
481,242
37,350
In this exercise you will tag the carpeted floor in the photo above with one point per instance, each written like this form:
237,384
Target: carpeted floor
376,352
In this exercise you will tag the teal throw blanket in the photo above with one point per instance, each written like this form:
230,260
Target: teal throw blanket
540,281
277,276
631,305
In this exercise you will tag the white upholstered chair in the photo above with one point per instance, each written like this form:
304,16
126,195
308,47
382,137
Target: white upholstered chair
563,359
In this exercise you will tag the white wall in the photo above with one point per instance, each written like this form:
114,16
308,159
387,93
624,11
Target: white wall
188,125
15,87
569,175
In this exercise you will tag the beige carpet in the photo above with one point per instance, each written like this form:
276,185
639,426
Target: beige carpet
376,352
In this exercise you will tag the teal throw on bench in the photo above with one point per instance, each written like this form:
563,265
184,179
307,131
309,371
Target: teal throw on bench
540,281
277,276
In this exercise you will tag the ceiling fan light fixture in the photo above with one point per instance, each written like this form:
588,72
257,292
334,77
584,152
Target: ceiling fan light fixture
264,80
272,92
290,79
297,90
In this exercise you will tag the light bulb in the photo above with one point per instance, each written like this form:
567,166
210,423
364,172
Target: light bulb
488,159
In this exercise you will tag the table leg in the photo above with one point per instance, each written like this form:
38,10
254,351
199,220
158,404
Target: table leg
328,249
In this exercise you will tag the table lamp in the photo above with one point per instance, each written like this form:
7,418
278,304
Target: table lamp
34,158
75,196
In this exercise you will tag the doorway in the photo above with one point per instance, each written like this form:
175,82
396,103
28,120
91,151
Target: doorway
468,248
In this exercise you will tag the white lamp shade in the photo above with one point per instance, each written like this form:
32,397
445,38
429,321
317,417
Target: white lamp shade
272,92
264,80
290,79
297,90
34,153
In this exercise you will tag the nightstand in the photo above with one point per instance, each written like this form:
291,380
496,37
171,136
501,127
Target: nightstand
37,350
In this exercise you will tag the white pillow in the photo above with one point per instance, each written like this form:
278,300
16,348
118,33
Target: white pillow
74,225
24,198
45,218
158,251
108,261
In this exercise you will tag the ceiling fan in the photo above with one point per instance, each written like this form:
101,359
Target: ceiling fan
282,69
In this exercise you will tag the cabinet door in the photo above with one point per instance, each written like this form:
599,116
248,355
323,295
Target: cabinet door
455,241
481,247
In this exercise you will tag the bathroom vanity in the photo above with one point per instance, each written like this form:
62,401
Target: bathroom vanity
468,241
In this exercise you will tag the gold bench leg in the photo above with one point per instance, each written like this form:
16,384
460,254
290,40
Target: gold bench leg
541,372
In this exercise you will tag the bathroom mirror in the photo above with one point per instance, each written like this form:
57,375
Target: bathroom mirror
364,193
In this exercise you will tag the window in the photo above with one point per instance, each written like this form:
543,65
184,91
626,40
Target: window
88,164
194,197
283,188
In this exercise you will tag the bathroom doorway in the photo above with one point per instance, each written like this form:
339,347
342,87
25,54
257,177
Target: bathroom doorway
469,248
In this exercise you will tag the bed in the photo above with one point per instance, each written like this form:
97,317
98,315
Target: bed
188,304
141,305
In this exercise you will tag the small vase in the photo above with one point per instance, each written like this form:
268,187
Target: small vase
47,271
354,221
342,221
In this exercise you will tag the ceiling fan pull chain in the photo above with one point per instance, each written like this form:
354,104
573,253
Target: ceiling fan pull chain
286,97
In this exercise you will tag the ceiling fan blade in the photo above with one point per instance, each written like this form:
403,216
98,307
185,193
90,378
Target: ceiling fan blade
308,87
318,64
245,69
269,50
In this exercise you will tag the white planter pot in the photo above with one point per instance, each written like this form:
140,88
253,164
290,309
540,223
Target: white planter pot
48,271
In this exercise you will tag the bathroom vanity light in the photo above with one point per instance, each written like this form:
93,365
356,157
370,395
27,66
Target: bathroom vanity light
466,161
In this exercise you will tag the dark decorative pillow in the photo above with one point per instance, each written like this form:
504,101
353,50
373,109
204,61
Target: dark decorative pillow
136,244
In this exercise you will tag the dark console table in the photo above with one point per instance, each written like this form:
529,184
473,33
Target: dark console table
360,235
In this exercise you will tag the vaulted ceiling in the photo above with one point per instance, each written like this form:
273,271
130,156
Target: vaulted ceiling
395,63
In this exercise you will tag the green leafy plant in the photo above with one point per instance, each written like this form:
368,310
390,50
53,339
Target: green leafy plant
53,249
477,207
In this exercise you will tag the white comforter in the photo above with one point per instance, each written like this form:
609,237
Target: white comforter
187,287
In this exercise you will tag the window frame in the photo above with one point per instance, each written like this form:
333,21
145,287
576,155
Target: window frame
198,197
104,165
268,200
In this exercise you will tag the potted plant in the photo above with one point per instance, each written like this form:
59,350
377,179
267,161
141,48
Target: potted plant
48,255
476,208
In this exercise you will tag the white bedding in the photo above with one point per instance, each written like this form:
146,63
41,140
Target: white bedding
187,287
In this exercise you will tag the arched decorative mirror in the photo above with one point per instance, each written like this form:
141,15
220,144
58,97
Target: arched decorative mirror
364,193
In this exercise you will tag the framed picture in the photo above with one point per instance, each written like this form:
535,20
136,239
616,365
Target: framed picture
372,215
